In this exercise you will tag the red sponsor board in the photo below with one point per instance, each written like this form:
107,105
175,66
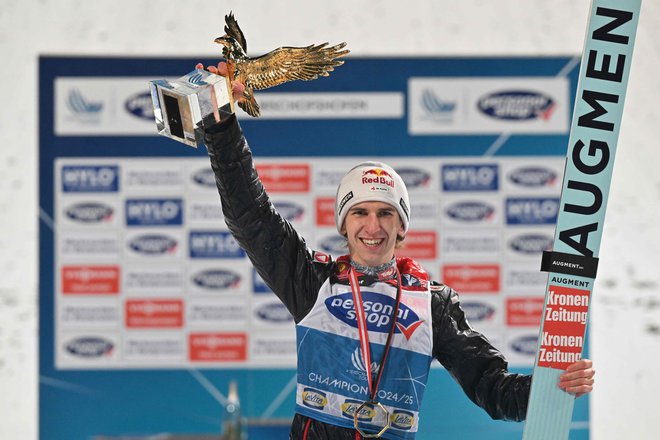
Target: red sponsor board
90,280
421,245
154,313
217,347
524,312
284,177
325,211
472,278
564,325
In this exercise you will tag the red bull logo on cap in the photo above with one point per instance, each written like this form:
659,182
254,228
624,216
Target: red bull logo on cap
377,175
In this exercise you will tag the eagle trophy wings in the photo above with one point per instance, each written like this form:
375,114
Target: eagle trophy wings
276,67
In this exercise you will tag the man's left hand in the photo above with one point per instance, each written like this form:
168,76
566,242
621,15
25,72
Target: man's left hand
578,378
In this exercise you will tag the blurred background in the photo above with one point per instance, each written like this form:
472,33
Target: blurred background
625,318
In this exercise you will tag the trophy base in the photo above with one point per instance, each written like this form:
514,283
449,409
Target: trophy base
187,105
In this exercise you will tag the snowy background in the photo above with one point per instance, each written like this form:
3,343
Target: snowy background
625,318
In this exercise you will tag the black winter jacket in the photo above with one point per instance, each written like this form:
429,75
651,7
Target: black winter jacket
283,260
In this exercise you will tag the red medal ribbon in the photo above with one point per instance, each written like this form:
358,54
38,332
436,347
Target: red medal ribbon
363,333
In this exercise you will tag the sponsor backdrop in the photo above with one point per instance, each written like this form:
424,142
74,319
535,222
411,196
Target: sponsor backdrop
149,307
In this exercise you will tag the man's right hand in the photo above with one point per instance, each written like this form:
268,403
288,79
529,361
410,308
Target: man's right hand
236,87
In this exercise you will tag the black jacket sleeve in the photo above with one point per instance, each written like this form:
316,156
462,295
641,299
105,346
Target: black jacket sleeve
478,367
277,252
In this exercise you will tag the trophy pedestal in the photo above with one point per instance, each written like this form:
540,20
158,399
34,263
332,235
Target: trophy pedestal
187,105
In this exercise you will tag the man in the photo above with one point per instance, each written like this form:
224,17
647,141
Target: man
369,323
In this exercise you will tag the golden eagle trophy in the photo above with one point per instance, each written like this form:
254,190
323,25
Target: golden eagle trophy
185,106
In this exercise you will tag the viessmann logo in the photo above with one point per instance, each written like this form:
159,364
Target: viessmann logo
518,105
378,309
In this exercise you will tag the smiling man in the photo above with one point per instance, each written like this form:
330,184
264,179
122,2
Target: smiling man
369,323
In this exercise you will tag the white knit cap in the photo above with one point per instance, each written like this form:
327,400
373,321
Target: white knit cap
372,182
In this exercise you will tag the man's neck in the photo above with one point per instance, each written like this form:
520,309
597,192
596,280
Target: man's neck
382,272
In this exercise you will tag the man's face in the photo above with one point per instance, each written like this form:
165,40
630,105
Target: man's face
371,229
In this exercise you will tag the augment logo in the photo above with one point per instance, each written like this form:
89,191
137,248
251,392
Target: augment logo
378,309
